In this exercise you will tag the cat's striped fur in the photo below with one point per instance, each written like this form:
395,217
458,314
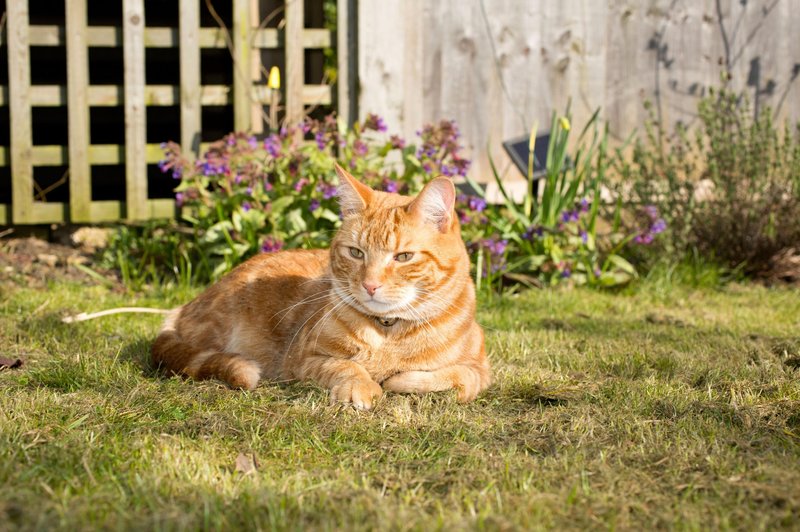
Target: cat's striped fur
391,306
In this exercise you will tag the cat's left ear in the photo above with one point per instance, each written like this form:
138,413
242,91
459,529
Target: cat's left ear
353,194
435,204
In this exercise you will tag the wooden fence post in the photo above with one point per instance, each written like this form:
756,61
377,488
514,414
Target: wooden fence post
295,61
80,177
346,56
190,77
242,82
19,103
135,115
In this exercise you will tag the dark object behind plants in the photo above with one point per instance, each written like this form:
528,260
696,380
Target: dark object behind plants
730,192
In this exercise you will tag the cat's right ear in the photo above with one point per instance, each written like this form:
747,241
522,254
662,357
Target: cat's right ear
353,195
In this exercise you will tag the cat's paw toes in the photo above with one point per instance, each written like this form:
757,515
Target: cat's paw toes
360,393
469,388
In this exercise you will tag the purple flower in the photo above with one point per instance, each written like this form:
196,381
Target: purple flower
273,145
584,204
495,246
476,203
659,226
597,272
163,165
375,123
566,273
252,142
427,167
271,244
397,142
237,179
246,206
533,231
584,236
360,147
299,184
463,217
328,190
249,191
179,198
566,216
651,211
313,205
390,185
321,142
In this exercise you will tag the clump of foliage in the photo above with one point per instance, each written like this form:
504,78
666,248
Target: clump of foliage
554,238
247,195
730,191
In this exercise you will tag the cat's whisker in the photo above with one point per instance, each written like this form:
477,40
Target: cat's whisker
325,318
313,298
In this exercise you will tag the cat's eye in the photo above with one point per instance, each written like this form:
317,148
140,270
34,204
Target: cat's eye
356,253
403,257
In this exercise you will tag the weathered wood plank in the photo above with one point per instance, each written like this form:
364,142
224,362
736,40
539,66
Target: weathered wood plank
346,56
295,61
80,182
256,109
111,36
159,95
97,154
190,77
135,129
242,80
19,80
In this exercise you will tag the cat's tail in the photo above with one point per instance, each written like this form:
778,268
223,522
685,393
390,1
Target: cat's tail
171,353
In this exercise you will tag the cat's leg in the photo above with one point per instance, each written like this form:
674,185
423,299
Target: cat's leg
348,381
170,352
469,380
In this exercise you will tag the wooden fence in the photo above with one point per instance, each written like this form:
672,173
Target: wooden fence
496,66
247,95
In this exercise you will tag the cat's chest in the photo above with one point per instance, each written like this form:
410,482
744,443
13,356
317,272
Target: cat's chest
383,349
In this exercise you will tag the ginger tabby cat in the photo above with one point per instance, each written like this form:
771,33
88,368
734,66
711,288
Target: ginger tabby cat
391,306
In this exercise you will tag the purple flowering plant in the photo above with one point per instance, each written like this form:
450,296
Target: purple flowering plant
247,195
553,238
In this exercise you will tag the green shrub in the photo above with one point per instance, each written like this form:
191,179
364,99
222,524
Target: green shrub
730,191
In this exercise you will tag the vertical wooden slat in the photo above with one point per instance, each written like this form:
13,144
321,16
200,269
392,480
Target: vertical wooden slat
190,77
80,182
346,54
256,109
19,81
135,129
295,67
242,83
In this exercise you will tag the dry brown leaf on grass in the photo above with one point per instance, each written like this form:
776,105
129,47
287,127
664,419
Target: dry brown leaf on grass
10,363
246,464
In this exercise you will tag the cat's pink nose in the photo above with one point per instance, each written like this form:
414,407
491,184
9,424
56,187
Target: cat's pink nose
370,287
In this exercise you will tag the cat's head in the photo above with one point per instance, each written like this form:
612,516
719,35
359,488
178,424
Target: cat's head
398,256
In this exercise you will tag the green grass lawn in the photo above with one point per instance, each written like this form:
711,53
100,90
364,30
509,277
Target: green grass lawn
657,407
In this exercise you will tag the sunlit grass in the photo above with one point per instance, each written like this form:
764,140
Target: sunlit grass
661,406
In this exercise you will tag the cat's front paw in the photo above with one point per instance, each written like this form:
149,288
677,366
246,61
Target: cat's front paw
359,392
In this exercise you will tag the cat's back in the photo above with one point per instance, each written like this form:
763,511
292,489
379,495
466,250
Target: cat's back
255,291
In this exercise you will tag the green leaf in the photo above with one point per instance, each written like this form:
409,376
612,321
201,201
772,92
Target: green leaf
295,223
280,204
